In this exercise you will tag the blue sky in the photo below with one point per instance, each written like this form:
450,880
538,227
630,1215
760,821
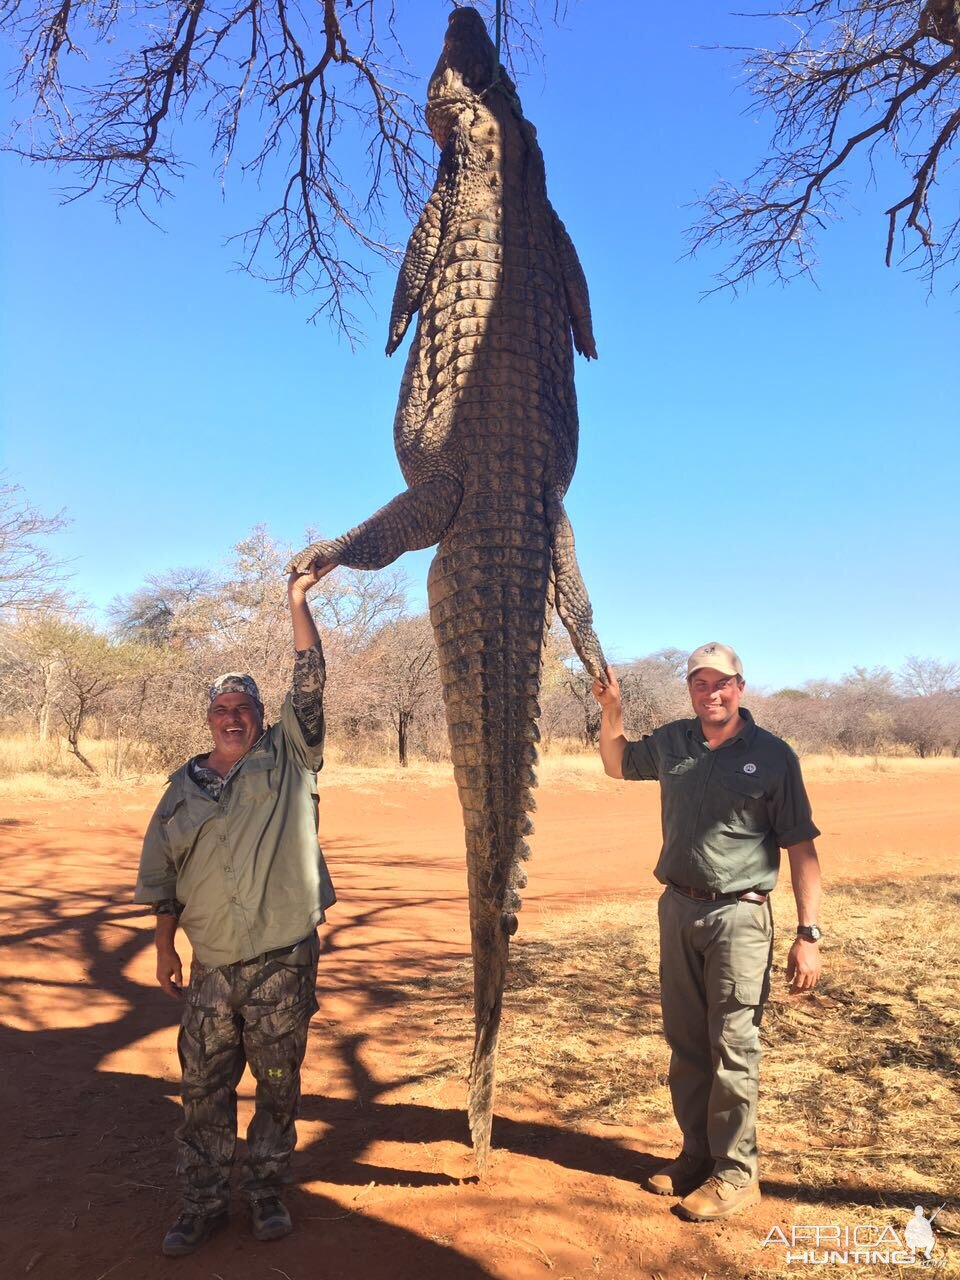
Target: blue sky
776,470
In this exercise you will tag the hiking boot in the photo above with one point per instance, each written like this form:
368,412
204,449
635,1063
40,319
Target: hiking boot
270,1218
684,1174
190,1231
718,1199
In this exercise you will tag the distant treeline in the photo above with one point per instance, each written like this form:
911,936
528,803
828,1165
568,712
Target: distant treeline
140,681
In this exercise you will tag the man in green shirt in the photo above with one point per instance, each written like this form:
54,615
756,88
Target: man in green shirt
731,797
231,856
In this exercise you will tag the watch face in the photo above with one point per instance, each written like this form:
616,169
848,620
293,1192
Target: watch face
811,931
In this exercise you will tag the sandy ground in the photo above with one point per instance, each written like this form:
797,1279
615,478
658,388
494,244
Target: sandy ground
385,1185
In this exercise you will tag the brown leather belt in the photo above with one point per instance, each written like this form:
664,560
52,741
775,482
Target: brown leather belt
707,895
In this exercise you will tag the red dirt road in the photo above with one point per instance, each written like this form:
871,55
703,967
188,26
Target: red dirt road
384,1179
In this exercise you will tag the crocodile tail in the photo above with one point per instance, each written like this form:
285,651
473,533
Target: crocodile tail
490,951
488,596
492,923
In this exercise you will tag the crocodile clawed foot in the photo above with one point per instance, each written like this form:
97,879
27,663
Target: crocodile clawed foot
316,556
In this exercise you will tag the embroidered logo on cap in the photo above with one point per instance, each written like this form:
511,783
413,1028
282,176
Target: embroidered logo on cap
749,768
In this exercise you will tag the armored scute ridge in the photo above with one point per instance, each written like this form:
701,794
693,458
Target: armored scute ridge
486,435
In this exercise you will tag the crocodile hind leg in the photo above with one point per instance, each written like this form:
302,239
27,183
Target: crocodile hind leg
570,593
414,519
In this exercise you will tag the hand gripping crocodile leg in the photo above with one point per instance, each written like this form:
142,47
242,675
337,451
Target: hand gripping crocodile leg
414,519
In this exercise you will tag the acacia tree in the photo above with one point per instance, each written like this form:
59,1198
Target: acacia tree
197,623
877,79
90,669
30,577
166,610
292,93
30,659
405,675
63,669
929,677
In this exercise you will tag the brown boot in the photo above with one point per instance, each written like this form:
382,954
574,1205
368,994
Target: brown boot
718,1199
679,1176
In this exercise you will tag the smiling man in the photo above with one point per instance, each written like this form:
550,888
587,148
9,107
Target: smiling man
231,856
731,797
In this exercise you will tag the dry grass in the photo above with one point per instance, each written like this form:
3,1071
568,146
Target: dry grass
568,765
576,767
367,778
27,770
823,768
31,771
860,1100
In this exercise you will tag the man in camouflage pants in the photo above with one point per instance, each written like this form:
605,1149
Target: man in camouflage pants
231,856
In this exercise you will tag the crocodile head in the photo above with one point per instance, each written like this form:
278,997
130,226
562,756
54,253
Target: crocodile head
467,69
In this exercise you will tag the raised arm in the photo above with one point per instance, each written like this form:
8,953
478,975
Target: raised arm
309,671
613,740
305,634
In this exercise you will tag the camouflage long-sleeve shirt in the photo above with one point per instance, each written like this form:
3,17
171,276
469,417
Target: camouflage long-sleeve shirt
309,677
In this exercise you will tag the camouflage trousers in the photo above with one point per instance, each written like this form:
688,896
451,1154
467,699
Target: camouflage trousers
258,1013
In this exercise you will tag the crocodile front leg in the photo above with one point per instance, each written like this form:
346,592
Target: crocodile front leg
575,288
417,263
414,519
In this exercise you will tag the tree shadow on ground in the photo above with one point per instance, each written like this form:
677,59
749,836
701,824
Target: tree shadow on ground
363,1118
92,1186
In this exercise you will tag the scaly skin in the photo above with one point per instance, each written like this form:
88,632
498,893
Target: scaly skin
486,434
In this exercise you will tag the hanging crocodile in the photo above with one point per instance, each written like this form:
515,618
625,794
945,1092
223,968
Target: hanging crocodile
486,435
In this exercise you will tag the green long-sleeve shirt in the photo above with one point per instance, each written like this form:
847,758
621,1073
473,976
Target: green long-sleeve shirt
246,866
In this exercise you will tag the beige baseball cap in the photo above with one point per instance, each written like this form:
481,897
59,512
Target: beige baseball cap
717,656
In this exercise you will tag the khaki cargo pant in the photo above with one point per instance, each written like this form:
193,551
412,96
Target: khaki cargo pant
715,962
255,1012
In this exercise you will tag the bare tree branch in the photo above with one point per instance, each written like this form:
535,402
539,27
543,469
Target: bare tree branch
261,68
30,577
297,95
872,78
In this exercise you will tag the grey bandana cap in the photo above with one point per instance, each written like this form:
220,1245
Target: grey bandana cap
234,682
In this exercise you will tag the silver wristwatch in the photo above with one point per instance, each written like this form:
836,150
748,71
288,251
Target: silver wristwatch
812,932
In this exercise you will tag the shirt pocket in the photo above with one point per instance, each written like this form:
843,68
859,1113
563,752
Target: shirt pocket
180,827
255,781
677,766
743,784
742,797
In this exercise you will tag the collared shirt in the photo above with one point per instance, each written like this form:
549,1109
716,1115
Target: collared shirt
309,677
726,813
246,864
